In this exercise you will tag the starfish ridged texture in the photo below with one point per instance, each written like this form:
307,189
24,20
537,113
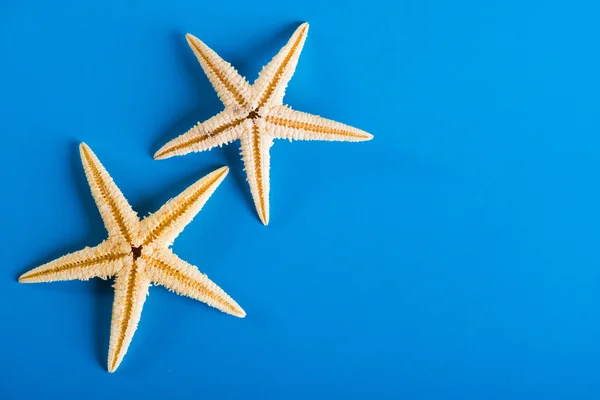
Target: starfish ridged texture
255,115
137,254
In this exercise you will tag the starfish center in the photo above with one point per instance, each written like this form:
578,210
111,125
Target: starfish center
253,114
136,251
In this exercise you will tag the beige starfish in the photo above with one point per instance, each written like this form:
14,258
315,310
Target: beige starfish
137,253
255,115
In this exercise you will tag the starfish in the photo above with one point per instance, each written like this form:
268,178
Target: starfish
137,254
255,115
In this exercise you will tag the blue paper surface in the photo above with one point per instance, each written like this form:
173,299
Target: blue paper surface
455,256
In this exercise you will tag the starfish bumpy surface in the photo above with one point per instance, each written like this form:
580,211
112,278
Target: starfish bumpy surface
137,253
255,115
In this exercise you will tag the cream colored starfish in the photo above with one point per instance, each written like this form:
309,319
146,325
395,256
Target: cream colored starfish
255,115
137,253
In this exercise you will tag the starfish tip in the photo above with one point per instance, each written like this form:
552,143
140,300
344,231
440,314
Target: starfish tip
159,155
222,173
189,37
303,29
113,365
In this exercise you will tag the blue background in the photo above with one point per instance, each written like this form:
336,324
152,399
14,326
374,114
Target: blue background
455,256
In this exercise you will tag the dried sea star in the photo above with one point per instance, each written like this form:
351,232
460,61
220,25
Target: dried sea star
255,115
137,254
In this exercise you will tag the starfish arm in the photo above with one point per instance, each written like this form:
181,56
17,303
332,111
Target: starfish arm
232,88
168,270
101,261
119,218
131,288
162,227
255,153
273,78
219,130
285,123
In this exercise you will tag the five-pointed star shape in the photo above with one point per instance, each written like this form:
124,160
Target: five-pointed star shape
255,115
137,253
